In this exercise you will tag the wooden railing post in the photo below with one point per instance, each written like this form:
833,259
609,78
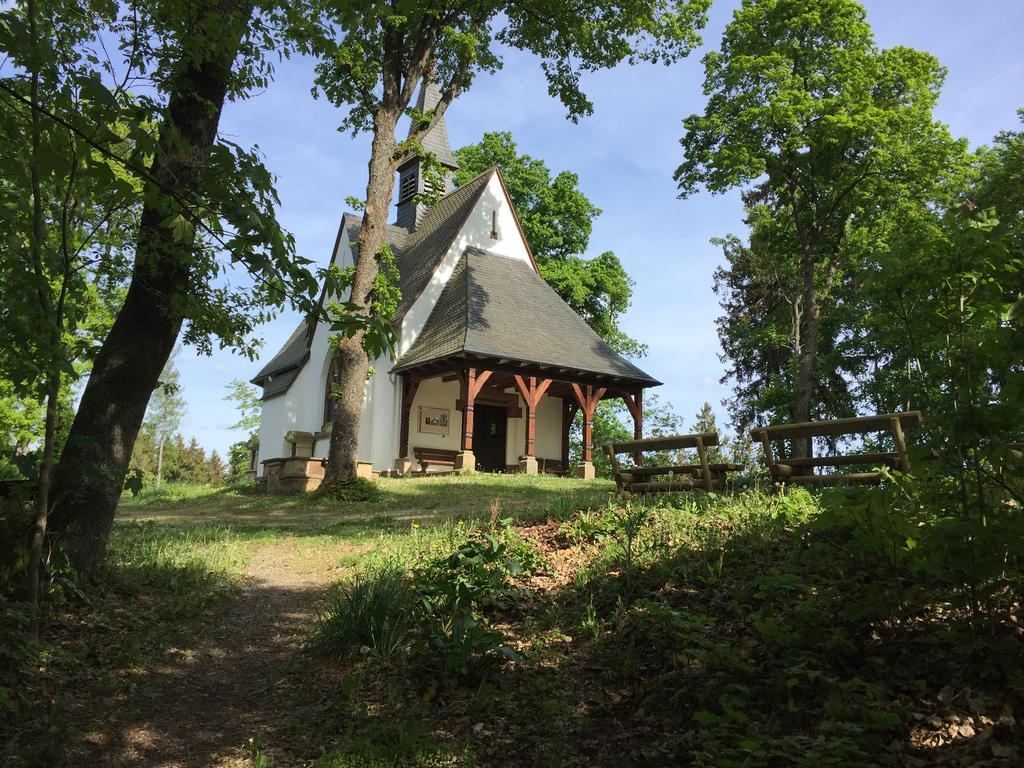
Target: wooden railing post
901,444
769,457
702,453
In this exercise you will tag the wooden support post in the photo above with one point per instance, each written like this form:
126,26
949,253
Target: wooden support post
569,410
769,457
588,399
409,387
901,444
532,390
635,405
473,383
531,420
702,453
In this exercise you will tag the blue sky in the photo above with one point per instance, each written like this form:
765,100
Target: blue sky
624,154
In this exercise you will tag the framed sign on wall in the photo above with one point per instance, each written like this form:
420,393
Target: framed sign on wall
433,421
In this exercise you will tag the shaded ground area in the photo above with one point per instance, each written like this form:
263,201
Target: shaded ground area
238,678
754,630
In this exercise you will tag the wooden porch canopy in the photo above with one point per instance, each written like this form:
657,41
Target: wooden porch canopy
501,331
495,381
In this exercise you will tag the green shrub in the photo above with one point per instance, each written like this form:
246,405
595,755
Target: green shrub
458,645
375,611
439,610
357,490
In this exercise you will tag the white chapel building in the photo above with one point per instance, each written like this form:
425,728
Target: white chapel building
490,368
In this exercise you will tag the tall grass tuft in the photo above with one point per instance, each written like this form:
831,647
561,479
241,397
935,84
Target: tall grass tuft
373,611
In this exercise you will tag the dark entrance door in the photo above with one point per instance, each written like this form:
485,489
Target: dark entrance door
490,423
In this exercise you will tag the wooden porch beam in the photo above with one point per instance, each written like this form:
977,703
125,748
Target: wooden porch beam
531,391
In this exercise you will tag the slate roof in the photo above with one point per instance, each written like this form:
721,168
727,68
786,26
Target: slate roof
500,307
436,140
278,374
417,255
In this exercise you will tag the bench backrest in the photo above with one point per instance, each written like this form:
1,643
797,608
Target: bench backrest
671,443
837,427
434,453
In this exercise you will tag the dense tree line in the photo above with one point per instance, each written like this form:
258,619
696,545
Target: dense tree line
183,462
881,269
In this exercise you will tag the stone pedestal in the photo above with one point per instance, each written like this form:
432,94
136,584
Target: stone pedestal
293,474
403,466
528,465
465,461
586,470
364,469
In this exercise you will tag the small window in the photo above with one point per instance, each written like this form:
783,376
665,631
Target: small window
407,185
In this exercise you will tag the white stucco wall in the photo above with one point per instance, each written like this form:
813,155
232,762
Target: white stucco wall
435,393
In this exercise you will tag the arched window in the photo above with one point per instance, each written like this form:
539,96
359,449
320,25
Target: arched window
329,402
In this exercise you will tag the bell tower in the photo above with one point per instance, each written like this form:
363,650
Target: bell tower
411,182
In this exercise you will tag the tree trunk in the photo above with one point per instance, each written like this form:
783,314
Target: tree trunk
352,363
55,322
807,370
90,475
35,560
160,462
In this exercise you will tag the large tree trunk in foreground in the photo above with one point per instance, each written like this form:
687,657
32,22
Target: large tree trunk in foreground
353,364
90,475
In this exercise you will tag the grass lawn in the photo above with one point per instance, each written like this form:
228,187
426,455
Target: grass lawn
508,620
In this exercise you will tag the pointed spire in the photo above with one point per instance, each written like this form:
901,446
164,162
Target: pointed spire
436,140
410,173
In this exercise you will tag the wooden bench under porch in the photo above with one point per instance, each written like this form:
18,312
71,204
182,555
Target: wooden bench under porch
703,476
800,469
436,456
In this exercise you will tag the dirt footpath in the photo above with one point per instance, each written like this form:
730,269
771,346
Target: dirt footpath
240,678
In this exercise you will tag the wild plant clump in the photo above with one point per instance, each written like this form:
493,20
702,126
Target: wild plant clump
437,614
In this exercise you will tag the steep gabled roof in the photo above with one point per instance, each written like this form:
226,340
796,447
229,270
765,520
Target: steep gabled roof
417,255
278,374
427,244
500,307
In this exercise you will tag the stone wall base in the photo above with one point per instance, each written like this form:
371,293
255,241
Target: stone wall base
465,461
528,465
